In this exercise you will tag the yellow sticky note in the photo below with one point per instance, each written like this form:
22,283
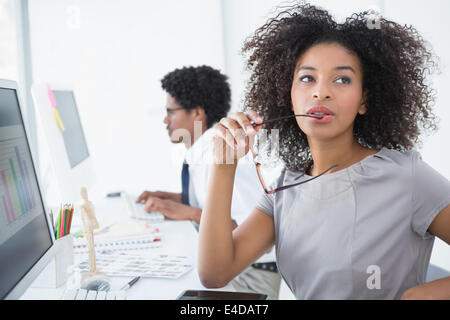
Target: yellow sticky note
58,119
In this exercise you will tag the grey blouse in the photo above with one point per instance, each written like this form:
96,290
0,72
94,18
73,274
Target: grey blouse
360,232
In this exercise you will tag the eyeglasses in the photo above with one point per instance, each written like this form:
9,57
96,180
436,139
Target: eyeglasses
258,165
170,111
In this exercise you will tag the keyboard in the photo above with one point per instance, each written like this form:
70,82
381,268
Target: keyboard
137,210
83,294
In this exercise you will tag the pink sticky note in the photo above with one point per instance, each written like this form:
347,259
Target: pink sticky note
51,97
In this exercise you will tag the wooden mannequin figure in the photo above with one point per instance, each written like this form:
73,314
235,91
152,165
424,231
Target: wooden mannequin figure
90,223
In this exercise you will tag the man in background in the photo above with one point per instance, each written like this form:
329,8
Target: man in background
197,98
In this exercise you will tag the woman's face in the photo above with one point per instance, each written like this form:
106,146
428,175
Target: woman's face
327,77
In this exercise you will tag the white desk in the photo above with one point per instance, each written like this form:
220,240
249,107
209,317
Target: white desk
178,237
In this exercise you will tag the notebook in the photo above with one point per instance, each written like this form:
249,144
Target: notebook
126,235
130,243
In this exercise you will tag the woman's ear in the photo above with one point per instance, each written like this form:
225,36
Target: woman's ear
362,108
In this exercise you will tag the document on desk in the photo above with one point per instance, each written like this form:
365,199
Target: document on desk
125,236
108,245
133,265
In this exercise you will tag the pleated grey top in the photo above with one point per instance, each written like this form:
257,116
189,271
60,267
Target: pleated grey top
360,232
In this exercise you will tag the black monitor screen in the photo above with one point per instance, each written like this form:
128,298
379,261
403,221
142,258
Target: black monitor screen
24,234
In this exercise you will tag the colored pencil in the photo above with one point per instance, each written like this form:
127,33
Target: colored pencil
70,219
58,227
63,222
66,227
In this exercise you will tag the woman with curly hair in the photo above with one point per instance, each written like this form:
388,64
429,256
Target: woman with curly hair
356,210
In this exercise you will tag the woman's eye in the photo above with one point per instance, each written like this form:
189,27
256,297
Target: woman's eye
306,79
343,80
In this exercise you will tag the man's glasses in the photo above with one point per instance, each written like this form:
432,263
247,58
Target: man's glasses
171,111
258,165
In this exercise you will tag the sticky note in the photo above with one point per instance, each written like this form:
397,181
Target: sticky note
51,97
58,120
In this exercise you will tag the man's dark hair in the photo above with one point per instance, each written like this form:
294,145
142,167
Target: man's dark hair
202,87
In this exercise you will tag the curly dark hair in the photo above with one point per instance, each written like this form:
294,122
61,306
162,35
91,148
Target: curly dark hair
200,86
395,61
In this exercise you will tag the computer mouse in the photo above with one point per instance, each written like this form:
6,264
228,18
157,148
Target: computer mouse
97,285
114,194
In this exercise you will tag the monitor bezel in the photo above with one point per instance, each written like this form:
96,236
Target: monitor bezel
24,283
83,174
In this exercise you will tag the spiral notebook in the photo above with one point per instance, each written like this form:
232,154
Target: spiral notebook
123,236
120,244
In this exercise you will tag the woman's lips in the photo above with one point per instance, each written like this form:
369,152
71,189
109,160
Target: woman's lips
319,111
323,114
325,118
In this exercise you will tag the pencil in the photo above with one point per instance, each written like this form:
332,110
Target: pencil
59,224
63,222
70,219
66,226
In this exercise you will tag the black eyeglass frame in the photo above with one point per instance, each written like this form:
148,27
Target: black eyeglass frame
170,111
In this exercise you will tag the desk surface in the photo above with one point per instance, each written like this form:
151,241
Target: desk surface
179,237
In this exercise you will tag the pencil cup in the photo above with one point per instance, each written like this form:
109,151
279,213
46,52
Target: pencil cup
57,271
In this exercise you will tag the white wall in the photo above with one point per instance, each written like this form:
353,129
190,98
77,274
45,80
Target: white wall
114,53
241,18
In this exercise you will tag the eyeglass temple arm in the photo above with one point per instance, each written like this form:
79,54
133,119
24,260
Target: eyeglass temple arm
284,117
299,183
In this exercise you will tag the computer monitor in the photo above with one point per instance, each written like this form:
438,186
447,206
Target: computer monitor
65,141
26,237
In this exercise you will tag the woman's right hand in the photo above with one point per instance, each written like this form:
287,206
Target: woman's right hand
234,135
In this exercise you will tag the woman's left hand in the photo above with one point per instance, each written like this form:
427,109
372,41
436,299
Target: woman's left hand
417,293
434,290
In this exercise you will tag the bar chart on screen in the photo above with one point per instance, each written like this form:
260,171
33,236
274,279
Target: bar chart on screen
18,196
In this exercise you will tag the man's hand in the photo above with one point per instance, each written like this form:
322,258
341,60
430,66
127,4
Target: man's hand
159,194
172,209
175,210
